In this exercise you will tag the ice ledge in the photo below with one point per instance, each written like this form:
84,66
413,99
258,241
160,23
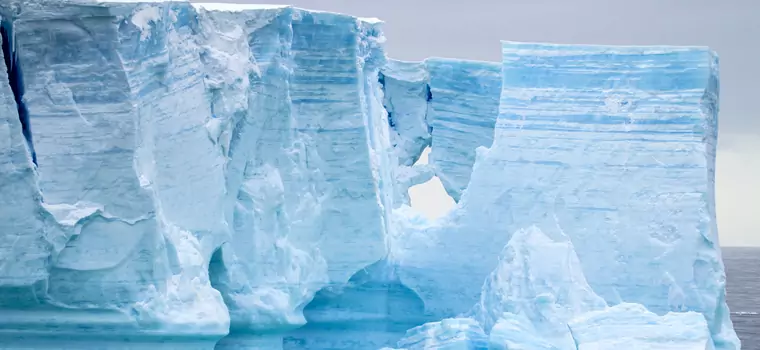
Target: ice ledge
547,49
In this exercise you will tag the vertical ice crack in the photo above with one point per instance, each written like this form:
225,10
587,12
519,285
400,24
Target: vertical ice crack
429,98
15,79
386,100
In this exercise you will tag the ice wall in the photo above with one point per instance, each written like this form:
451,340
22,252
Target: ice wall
407,97
464,106
634,171
177,175
24,243
613,147
203,169
632,326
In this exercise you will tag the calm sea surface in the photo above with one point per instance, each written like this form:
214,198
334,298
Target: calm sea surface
743,293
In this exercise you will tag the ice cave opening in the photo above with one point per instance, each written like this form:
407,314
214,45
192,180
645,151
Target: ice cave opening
216,270
374,309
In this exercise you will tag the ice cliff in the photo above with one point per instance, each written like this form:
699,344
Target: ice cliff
198,176
611,148
200,169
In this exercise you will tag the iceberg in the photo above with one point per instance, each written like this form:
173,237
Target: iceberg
179,175
582,133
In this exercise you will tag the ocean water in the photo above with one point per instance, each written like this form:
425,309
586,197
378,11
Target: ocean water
743,293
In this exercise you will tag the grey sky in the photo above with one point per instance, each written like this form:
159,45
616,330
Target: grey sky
471,29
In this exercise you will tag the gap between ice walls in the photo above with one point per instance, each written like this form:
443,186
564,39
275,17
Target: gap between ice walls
205,176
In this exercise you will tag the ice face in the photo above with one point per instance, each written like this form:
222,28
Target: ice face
406,96
234,177
191,160
582,133
632,326
464,106
650,120
24,239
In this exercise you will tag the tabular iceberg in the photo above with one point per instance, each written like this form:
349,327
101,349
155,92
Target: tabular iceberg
198,176
611,147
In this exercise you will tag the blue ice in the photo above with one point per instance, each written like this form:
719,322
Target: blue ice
199,176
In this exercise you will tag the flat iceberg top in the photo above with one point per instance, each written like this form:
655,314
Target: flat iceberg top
224,7
371,20
462,62
46,9
211,6
541,49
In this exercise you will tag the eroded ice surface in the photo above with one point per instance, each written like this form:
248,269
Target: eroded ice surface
200,176
448,104
452,333
541,282
631,326
464,106
613,147
165,130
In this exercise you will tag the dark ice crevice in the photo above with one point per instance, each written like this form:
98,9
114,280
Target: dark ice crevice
15,78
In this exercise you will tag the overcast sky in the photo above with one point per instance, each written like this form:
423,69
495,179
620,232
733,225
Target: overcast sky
471,29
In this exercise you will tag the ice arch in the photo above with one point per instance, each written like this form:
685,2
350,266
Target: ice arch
374,309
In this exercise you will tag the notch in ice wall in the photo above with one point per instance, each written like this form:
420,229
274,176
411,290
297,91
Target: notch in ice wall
448,104
610,147
405,92
463,110
338,102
